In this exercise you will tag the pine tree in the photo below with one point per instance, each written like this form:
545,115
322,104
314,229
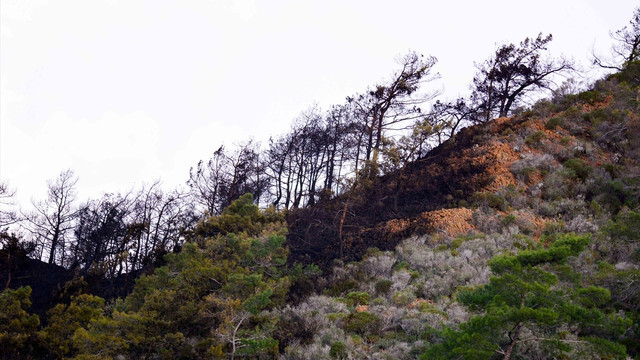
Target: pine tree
534,298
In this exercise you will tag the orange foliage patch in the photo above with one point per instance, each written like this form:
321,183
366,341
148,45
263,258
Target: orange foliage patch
396,226
453,222
497,158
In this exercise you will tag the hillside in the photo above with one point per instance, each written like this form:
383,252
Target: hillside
515,238
503,165
424,237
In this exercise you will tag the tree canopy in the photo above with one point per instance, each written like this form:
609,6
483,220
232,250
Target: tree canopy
511,73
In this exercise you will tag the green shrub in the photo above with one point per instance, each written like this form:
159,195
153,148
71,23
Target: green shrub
553,227
442,247
357,298
616,194
335,316
535,138
372,252
626,227
341,287
509,219
595,207
383,286
553,123
362,323
596,117
612,169
630,74
379,301
414,274
579,167
18,328
404,297
456,242
590,97
526,172
492,200
338,350
524,292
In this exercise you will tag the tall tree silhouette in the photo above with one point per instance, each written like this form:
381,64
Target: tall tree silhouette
504,80
52,218
386,106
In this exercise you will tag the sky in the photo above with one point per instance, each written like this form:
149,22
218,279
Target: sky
128,92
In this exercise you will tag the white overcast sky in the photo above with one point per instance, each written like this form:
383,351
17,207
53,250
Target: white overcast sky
126,92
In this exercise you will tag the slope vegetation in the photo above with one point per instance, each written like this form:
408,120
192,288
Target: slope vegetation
488,165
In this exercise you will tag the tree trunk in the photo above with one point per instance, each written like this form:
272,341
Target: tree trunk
512,344
54,243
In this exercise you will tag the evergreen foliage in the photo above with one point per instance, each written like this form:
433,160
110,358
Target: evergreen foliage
206,302
531,299
18,328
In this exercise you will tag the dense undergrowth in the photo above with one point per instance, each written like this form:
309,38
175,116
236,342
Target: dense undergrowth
547,265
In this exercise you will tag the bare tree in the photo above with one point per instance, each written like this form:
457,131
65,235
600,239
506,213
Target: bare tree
227,176
8,216
626,48
53,218
208,180
156,223
309,163
103,235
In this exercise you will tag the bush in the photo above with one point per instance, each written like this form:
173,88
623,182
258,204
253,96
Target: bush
554,123
612,169
553,227
362,323
491,200
535,138
383,286
614,195
630,74
372,252
579,167
379,265
555,185
515,196
338,350
455,243
529,161
341,287
509,219
404,297
590,97
486,223
625,228
525,173
547,209
357,298
597,117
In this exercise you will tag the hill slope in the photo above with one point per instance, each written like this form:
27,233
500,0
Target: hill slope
493,164
517,238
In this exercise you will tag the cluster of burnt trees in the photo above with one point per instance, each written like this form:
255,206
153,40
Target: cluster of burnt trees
324,154
382,128
322,150
106,237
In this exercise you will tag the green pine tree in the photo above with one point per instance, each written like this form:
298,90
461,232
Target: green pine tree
534,297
